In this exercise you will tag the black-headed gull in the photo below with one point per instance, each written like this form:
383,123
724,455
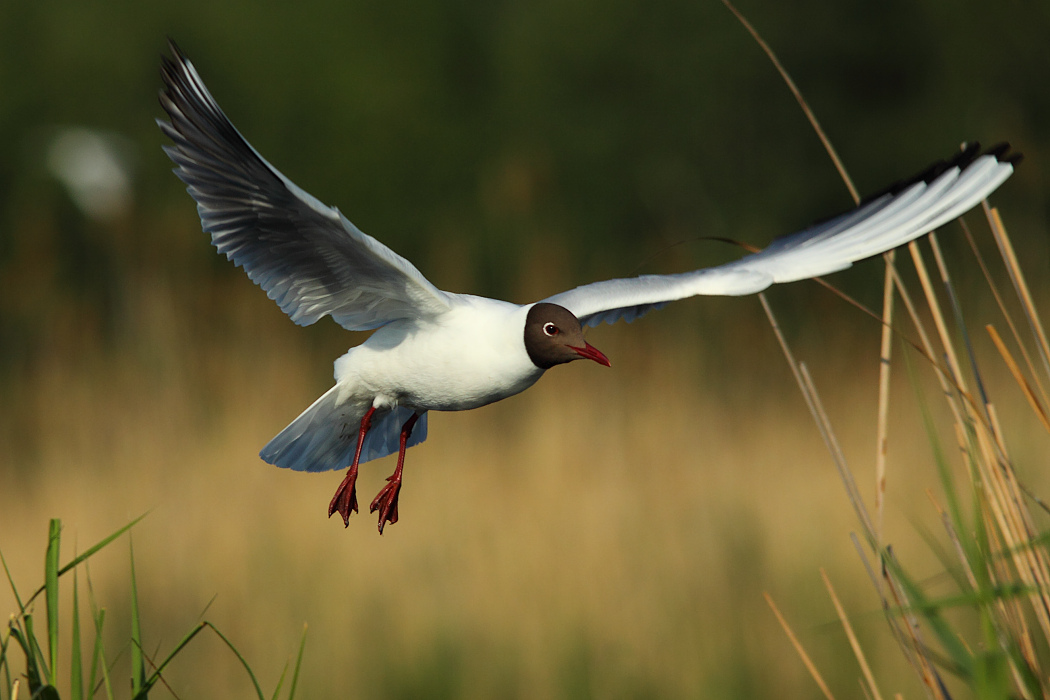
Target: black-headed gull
439,351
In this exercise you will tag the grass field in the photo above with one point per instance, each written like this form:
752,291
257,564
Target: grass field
609,533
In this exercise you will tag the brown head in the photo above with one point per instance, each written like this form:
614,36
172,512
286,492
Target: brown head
553,336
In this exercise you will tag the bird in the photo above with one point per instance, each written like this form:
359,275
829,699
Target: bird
433,350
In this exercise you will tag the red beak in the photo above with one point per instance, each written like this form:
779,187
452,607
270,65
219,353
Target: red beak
590,352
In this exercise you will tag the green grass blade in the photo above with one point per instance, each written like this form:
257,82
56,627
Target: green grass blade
99,665
54,540
35,658
138,666
48,692
918,601
4,666
948,560
32,673
14,632
83,557
101,543
962,662
98,655
36,653
104,669
298,665
76,670
968,600
280,683
295,672
11,582
258,690
155,676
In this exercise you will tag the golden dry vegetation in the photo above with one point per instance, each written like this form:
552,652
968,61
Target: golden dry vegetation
609,533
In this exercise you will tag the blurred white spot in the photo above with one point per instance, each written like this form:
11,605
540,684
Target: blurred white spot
95,168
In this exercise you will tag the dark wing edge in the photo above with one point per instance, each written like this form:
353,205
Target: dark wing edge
892,217
306,256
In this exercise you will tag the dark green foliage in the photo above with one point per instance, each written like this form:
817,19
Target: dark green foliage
40,668
615,129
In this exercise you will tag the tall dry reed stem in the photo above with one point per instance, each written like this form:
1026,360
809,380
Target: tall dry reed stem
1003,557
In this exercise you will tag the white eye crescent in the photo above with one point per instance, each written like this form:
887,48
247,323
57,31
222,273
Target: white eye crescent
550,329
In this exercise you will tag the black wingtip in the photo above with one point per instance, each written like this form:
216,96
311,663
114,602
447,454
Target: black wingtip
171,67
968,153
169,70
175,50
168,62
1002,153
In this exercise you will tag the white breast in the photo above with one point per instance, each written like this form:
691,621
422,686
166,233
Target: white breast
471,356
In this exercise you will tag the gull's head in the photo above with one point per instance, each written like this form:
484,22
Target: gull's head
554,336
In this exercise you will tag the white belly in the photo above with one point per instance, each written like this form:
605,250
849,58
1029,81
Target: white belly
470,357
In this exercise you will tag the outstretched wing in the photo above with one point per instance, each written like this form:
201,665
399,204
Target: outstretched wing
899,214
307,256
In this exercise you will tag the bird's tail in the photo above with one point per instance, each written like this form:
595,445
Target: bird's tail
324,436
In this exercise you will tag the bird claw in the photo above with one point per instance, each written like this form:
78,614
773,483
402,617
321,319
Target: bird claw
386,503
345,498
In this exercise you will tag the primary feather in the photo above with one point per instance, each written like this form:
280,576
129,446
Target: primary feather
892,218
307,256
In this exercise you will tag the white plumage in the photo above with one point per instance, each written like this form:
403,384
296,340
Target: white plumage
435,350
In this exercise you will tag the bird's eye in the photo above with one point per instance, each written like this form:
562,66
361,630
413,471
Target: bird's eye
551,329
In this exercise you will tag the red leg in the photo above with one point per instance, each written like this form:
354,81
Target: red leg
386,501
345,498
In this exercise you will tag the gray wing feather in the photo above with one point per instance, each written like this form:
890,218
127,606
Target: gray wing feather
324,436
892,218
307,256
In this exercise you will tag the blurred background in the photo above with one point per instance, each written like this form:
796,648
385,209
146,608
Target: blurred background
608,533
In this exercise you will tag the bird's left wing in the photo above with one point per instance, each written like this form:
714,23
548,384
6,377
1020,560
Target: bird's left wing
307,256
894,217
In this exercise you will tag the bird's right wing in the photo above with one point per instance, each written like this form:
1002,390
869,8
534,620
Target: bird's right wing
894,217
307,256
